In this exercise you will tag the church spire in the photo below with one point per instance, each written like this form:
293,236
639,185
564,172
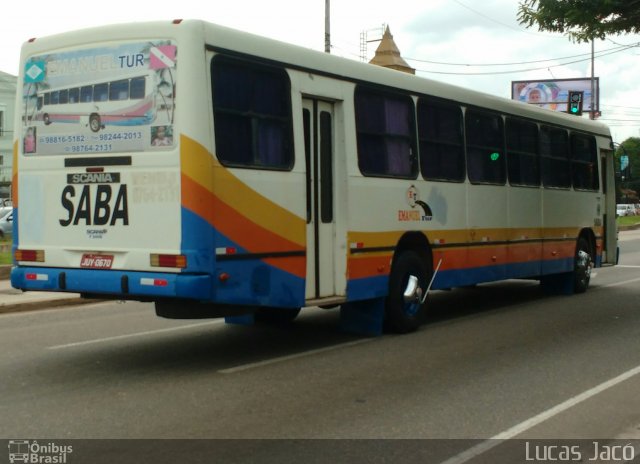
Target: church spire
388,55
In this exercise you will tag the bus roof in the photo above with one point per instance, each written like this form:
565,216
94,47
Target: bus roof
220,38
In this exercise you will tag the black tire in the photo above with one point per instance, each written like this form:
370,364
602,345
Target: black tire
94,123
403,316
582,266
46,119
276,316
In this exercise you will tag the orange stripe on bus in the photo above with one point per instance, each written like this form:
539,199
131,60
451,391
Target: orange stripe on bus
465,258
370,266
239,229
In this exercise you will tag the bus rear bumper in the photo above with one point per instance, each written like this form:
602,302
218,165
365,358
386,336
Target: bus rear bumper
124,284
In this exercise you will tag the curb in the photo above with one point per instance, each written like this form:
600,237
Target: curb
633,227
45,304
5,274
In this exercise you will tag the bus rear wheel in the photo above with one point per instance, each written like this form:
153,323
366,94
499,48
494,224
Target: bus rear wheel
408,282
94,122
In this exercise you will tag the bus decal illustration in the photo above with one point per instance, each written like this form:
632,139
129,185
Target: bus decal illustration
414,214
163,56
99,100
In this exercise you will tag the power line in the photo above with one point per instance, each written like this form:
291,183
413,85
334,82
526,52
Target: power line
504,24
520,70
620,48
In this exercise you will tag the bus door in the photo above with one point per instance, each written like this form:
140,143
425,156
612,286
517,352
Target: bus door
610,245
318,121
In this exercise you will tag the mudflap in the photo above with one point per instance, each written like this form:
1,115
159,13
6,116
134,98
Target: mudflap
558,284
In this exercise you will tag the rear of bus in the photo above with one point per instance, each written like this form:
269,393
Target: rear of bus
97,163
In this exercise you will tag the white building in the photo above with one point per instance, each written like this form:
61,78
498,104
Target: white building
7,112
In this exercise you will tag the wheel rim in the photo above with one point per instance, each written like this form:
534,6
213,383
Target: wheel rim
412,302
583,267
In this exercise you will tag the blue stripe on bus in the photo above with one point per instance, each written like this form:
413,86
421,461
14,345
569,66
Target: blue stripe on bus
375,287
249,282
152,284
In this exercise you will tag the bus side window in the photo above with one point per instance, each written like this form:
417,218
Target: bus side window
63,96
252,114
485,148
440,132
74,95
584,162
554,152
137,88
386,134
119,90
522,152
86,94
101,92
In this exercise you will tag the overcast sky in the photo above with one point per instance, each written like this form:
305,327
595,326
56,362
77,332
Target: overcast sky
463,32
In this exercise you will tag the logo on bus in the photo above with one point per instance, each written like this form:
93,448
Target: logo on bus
100,201
423,213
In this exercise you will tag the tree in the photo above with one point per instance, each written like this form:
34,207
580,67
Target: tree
629,180
582,20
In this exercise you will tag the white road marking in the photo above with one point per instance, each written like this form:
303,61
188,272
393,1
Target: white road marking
624,282
136,334
266,362
536,420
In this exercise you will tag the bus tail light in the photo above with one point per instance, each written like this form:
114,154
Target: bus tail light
29,255
179,261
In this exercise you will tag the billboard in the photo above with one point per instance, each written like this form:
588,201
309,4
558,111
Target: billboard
553,94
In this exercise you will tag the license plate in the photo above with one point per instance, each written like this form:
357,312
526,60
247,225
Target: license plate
90,261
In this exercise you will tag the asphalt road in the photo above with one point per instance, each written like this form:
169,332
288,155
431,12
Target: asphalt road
497,361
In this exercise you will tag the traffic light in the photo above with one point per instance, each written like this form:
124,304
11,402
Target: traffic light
575,103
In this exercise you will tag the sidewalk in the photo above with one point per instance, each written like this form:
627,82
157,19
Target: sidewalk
13,300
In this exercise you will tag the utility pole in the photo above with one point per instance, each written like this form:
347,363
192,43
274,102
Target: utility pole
592,112
327,26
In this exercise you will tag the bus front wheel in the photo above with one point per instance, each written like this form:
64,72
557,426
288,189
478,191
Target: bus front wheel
94,122
583,262
408,282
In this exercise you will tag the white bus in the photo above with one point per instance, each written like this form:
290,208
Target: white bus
287,178
128,101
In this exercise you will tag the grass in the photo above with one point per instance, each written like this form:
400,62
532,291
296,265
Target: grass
5,251
628,220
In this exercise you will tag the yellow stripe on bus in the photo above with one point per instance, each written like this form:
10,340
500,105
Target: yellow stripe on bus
202,167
